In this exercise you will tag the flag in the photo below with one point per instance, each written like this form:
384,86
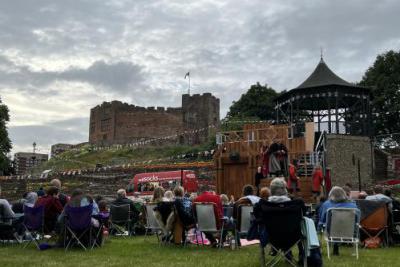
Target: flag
187,74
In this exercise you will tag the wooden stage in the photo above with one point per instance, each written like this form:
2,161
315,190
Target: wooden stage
239,155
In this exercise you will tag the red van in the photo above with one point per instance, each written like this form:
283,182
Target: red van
144,183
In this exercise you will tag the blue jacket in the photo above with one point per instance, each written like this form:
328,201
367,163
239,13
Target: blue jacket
330,204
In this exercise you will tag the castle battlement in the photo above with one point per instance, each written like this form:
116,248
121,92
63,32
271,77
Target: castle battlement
117,122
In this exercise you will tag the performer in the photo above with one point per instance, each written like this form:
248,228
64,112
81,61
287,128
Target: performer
264,160
293,180
317,180
278,158
259,175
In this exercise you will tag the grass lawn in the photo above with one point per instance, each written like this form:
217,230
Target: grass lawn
138,251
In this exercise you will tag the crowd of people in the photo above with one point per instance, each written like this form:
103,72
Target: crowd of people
175,210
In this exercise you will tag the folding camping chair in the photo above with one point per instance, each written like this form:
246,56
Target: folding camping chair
103,219
120,220
8,233
244,222
376,224
342,227
206,220
34,224
151,222
282,222
396,226
78,226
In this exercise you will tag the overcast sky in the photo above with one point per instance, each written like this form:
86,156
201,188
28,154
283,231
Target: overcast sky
58,59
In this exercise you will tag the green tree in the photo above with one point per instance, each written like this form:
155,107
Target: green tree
257,102
5,143
383,77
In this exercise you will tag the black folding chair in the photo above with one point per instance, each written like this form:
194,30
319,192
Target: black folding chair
282,222
120,220
8,231
34,224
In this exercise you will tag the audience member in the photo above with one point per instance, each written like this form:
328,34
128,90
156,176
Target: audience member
265,193
123,200
31,199
395,203
279,194
225,200
337,199
40,192
8,216
168,196
163,212
158,194
248,198
379,196
184,219
61,196
52,208
207,196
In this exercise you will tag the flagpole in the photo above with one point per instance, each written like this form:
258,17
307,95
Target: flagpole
189,84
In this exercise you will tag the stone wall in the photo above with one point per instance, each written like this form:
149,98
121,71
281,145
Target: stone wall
118,123
105,183
339,158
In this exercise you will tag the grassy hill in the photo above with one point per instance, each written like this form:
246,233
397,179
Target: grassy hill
86,157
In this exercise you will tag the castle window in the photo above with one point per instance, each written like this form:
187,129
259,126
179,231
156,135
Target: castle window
105,125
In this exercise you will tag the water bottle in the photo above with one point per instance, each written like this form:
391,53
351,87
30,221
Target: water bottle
233,243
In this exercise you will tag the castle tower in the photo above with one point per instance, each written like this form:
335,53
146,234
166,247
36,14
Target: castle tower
199,113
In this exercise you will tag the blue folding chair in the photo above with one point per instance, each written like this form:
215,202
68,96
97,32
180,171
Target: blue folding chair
34,224
78,226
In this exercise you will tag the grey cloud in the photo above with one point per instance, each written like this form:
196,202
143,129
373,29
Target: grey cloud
67,131
141,49
118,77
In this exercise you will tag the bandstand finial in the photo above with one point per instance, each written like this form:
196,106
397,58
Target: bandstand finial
322,53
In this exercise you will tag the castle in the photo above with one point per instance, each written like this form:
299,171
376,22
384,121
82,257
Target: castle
121,123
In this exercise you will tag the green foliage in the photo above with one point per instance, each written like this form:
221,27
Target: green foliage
257,102
384,79
5,142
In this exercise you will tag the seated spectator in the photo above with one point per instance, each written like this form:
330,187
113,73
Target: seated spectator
184,219
279,194
337,199
379,196
52,208
18,206
30,199
264,193
8,217
163,212
123,200
362,195
208,196
168,196
103,207
225,200
395,203
248,197
79,199
61,196
40,192
158,194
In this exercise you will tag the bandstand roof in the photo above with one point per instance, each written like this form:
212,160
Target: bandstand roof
322,75
323,83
